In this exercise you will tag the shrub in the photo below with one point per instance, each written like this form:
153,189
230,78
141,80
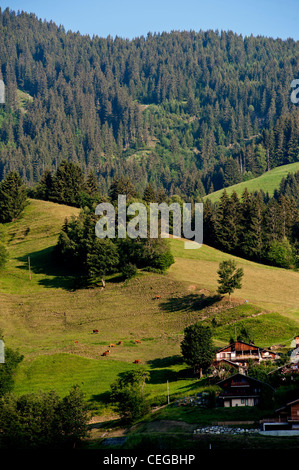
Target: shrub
129,270
281,254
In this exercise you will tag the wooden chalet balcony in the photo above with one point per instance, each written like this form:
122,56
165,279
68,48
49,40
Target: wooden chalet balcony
246,356
239,384
239,393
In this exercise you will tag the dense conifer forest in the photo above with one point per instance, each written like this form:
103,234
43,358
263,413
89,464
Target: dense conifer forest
184,112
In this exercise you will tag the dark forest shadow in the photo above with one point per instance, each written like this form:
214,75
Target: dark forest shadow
45,262
189,302
166,362
101,398
160,376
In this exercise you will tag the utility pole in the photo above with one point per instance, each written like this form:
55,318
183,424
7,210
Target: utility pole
29,268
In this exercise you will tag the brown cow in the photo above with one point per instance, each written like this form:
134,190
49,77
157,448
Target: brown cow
120,342
137,341
137,361
112,346
158,297
106,353
95,331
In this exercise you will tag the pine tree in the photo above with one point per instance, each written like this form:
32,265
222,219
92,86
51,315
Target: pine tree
67,183
227,222
91,185
13,197
149,194
251,226
44,188
122,186
209,236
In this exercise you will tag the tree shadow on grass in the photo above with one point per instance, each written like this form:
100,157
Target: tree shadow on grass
189,302
103,398
160,376
199,382
45,262
160,369
166,361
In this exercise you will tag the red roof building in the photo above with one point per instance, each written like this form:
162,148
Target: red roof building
240,352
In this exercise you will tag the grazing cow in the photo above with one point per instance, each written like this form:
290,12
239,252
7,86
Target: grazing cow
120,342
137,341
76,342
158,297
106,353
137,361
112,346
95,331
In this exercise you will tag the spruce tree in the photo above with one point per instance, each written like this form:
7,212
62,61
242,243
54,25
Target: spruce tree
227,222
44,188
67,184
13,197
149,194
251,226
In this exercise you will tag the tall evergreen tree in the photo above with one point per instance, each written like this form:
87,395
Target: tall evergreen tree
67,183
149,194
227,222
13,197
251,226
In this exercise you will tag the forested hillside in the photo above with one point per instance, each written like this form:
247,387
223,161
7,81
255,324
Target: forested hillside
188,112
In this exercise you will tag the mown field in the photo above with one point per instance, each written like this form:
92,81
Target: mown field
51,323
268,182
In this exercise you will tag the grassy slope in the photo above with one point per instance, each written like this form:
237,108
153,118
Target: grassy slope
52,324
267,286
274,290
268,182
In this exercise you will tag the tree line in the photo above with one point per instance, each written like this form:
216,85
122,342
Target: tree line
255,226
188,112
40,420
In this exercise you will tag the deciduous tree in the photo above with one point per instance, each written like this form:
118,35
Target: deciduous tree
197,347
230,277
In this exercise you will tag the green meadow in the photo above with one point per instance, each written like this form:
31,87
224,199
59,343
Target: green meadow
51,323
267,182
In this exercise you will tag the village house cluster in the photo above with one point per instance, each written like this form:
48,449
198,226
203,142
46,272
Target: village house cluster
242,390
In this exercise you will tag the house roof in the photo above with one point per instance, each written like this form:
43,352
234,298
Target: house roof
288,404
231,363
247,344
250,379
